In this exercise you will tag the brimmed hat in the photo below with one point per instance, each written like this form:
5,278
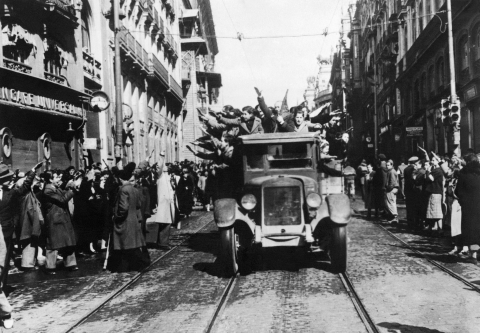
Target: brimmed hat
413,159
382,157
5,171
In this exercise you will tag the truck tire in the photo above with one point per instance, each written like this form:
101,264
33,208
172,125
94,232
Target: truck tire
338,249
229,251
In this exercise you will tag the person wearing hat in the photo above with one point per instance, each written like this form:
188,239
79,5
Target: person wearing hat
129,251
60,232
9,203
410,191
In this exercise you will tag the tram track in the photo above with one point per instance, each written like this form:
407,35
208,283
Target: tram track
431,261
134,279
358,304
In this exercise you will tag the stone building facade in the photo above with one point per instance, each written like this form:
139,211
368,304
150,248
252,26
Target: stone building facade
41,83
403,66
201,84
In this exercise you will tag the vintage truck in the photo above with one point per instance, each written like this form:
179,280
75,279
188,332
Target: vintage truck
289,198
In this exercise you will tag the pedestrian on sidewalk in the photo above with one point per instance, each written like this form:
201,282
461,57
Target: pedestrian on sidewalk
434,180
129,246
391,190
401,177
411,192
362,172
164,214
369,189
61,235
468,193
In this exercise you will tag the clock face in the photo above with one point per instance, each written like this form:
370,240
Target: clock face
100,101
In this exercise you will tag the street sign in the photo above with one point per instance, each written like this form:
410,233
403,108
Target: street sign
414,131
92,143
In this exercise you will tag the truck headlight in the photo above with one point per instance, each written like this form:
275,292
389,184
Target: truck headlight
248,201
314,200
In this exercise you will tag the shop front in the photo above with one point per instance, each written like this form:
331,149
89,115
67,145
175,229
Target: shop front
40,120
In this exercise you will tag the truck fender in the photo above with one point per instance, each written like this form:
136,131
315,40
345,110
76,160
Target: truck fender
339,208
224,212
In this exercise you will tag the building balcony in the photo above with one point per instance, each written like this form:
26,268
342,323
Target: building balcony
134,51
176,88
55,78
62,9
149,11
17,66
92,68
157,70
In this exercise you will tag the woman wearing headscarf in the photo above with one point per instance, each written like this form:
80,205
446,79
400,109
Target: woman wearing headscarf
164,215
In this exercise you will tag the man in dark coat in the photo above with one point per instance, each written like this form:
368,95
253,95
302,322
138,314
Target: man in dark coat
60,232
412,194
468,192
9,203
129,246
30,224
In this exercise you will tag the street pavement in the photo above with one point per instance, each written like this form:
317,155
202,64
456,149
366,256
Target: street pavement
287,292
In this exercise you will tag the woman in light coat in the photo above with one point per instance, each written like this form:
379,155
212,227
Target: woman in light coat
164,215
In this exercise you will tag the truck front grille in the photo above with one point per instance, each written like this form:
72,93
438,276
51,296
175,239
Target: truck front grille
282,205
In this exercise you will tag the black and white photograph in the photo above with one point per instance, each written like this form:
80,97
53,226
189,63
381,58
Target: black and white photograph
224,166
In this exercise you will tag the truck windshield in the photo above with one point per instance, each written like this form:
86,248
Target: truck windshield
290,155
254,154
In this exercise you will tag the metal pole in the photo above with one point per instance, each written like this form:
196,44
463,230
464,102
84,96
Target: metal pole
453,91
118,85
375,116
451,59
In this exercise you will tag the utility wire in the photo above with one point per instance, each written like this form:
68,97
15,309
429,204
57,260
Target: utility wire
295,36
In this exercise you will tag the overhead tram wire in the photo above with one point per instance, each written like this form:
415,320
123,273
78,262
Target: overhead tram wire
240,36
299,35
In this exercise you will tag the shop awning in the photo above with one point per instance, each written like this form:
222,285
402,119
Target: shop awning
194,44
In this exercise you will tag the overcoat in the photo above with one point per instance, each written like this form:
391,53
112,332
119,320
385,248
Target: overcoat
167,201
60,232
127,231
31,217
468,193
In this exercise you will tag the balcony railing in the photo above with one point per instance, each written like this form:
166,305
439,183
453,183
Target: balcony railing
55,78
177,89
159,70
17,66
92,68
133,49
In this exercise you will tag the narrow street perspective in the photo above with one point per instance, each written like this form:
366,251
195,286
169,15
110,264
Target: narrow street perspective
220,166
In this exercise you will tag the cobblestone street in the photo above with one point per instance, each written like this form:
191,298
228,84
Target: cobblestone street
289,292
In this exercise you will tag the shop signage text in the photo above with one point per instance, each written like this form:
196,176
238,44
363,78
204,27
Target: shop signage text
414,131
32,100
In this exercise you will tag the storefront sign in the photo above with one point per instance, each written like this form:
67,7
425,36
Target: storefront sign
370,145
414,131
32,100
470,93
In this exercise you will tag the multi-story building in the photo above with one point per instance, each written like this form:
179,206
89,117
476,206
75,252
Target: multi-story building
323,89
201,84
403,73
41,83
152,94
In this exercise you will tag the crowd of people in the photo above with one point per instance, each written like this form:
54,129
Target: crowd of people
441,194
